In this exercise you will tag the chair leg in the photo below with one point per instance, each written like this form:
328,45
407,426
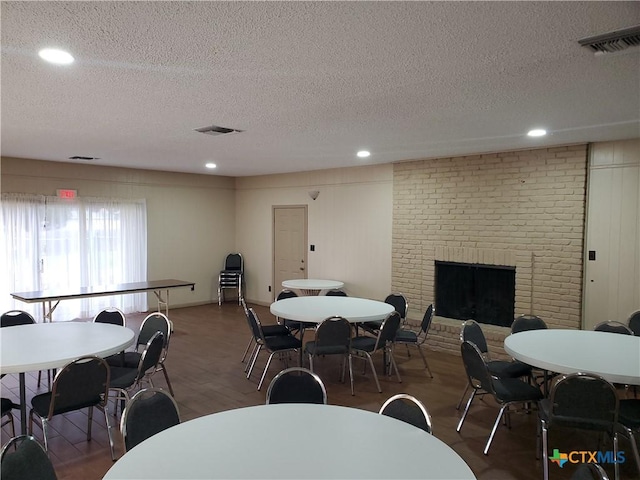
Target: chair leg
248,364
246,350
464,394
466,409
350,359
394,365
166,378
253,361
495,427
373,370
264,373
90,417
105,410
545,455
424,360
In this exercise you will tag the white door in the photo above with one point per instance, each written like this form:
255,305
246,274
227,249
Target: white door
612,275
289,244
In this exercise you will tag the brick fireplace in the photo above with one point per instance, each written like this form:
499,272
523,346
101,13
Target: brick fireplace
524,210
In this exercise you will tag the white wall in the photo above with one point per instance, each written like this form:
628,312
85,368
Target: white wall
349,224
190,218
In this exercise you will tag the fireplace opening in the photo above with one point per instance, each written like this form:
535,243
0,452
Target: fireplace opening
484,293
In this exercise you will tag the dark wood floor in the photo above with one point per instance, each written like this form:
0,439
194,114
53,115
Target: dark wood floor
207,376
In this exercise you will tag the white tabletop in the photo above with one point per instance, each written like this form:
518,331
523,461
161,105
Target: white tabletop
260,442
44,346
316,309
312,285
614,356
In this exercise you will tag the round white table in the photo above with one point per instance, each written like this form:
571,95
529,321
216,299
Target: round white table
256,442
312,286
45,346
613,356
315,309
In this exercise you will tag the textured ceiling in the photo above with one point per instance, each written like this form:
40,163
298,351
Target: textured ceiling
309,83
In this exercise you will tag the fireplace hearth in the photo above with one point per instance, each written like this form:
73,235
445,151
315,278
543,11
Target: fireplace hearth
484,293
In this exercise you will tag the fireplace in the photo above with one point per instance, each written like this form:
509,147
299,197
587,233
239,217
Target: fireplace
484,293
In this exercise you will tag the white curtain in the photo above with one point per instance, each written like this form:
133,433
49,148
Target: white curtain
62,245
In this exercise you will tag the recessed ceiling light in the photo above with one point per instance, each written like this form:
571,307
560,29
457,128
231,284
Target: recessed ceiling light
210,165
363,153
53,55
537,132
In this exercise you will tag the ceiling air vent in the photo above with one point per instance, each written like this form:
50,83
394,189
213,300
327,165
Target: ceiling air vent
613,42
215,130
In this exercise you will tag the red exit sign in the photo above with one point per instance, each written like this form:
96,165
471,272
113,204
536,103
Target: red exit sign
64,193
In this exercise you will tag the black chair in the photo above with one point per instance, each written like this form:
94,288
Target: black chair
472,332
362,346
231,276
336,293
579,401
293,325
150,411
7,406
612,326
408,409
83,383
333,337
505,391
525,323
125,380
111,315
13,318
280,345
154,322
268,330
629,420
589,471
399,303
296,385
633,323
418,339
23,458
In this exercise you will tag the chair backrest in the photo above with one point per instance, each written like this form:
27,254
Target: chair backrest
16,317
150,411
334,332
255,325
583,400
408,409
336,293
151,356
425,325
589,471
28,460
613,327
388,330
399,303
111,315
634,323
154,322
524,323
472,332
296,385
234,262
81,383
476,367
286,294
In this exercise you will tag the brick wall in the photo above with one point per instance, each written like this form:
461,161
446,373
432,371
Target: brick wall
524,209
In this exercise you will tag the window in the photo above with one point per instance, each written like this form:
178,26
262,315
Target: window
61,245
